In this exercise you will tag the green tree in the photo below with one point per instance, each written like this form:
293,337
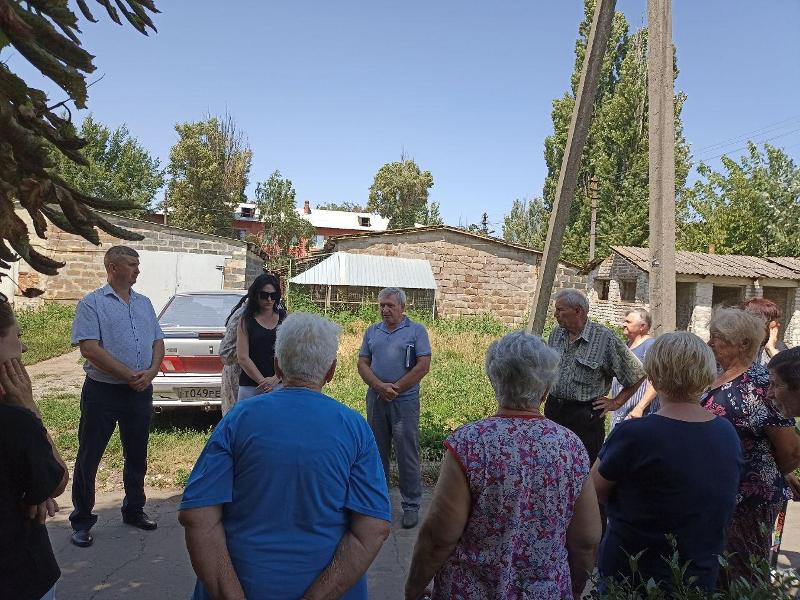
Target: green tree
284,228
119,167
46,35
616,147
433,216
400,193
527,223
751,208
345,206
208,171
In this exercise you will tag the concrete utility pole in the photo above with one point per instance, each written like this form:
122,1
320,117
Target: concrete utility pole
661,114
571,162
593,223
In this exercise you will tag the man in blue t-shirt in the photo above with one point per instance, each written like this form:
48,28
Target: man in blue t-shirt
288,499
394,357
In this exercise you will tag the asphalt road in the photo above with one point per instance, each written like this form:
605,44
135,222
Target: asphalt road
125,562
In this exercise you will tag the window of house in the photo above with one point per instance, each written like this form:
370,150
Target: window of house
627,290
601,287
319,241
248,212
240,234
364,221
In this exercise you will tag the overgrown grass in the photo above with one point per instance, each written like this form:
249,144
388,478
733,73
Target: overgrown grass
455,392
172,450
46,331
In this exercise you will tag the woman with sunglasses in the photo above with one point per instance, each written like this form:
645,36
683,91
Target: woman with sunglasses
255,337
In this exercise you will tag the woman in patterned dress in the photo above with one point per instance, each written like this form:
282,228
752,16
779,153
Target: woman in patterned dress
230,364
514,514
770,445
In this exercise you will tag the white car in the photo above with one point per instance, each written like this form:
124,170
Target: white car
191,372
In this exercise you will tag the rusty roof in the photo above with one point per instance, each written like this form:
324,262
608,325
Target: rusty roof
719,265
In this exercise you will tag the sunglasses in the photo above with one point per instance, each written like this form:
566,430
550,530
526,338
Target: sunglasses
275,296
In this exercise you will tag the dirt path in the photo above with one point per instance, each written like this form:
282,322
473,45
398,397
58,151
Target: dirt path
60,374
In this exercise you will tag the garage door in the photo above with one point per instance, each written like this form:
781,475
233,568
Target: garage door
166,273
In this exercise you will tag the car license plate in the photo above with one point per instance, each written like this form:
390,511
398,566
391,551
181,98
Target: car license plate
199,393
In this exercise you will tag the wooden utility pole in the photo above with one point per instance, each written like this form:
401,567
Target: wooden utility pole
661,114
593,222
571,162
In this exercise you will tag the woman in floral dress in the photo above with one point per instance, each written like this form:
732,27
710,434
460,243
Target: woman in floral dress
770,445
514,514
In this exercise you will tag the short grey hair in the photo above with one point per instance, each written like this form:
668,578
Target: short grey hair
305,346
521,368
574,298
393,291
740,328
680,364
116,252
643,315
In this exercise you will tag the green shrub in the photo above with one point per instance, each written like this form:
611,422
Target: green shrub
46,331
766,584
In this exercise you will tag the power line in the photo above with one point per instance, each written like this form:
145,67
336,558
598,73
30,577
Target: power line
769,139
743,136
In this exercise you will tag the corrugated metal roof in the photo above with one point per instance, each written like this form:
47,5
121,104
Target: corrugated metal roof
343,268
721,265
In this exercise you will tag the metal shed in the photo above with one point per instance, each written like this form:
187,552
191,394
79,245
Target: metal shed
349,281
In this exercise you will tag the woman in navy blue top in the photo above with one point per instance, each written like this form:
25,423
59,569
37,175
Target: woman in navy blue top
652,474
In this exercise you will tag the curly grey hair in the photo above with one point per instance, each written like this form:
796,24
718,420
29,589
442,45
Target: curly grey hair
521,368
306,346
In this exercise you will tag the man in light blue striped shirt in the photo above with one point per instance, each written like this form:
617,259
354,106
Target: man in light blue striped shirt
119,336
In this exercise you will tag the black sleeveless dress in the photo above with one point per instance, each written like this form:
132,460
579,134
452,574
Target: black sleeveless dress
262,351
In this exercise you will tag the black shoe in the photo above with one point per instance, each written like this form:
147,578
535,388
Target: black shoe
142,521
410,518
82,538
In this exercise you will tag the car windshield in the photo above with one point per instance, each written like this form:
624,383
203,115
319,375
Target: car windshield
198,310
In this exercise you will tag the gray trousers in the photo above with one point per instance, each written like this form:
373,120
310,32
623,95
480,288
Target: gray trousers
398,422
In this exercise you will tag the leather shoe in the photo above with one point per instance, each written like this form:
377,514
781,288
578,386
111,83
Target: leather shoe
410,518
142,521
82,538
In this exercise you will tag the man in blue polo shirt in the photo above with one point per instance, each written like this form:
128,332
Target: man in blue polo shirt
119,336
393,359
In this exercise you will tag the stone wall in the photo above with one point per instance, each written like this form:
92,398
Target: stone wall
84,270
616,270
474,275
792,319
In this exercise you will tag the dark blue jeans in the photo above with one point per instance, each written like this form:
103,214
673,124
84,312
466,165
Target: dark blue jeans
103,406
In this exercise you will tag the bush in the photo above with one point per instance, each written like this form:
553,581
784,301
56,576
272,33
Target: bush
46,331
766,585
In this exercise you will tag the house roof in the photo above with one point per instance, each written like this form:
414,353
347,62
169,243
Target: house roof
790,262
343,268
720,265
331,219
331,243
342,219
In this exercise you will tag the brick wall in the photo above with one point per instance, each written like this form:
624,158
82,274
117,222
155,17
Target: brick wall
84,270
474,276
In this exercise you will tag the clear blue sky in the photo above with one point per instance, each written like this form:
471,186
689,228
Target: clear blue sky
327,92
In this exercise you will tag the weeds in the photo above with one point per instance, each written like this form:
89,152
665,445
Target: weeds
46,331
